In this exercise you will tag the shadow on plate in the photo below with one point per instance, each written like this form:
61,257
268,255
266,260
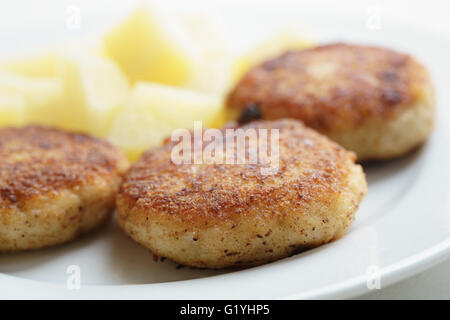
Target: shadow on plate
134,264
380,170
22,261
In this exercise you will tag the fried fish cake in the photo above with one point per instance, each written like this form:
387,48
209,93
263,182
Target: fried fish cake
54,186
374,101
217,215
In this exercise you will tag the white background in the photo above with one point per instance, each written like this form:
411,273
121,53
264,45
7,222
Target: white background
432,15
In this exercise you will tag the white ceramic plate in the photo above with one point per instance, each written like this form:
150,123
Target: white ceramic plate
402,227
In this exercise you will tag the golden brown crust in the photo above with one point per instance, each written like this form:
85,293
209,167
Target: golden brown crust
37,161
223,215
311,166
332,87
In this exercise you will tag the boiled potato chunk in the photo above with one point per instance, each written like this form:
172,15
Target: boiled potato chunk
71,89
154,111
41,65
285,40
94,87
45,64
41,97
12,109
213,72
134,131
151,46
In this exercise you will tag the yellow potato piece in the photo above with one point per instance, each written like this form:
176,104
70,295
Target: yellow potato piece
41,97
134,131
41,65
288,39
154,111
45,64
94,87
151,46
12,109
213,72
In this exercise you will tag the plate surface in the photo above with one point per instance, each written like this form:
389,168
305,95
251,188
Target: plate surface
402,227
